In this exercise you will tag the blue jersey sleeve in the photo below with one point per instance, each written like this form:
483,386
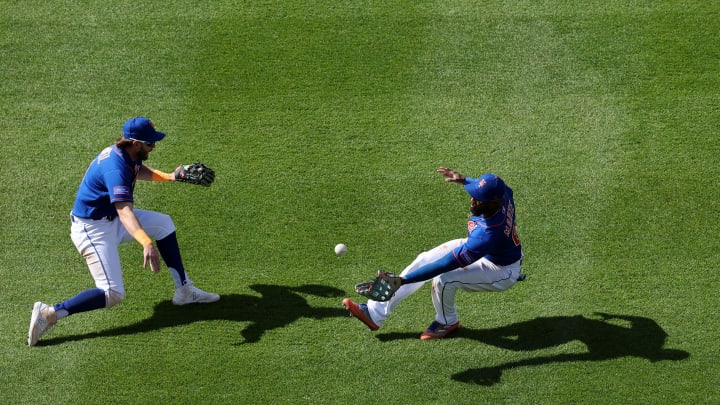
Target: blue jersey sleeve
109,179
430,270
119,186
479,243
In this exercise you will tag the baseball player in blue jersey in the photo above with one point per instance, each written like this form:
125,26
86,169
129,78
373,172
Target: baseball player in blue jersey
487,260
104,216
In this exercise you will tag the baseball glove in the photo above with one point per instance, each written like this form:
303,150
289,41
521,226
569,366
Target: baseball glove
196,173
380,289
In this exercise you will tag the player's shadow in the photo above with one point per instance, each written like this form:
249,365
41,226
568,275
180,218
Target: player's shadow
275,307
606,337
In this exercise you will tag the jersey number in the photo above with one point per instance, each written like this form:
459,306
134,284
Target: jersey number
512,233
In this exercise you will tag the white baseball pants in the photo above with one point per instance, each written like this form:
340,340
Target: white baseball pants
98,241
483,275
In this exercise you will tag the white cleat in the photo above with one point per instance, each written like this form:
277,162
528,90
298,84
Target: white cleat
189,294
43,318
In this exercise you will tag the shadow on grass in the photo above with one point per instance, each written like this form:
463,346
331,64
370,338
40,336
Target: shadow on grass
609,337
276,307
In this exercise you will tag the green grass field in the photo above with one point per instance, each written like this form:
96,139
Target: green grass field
325,121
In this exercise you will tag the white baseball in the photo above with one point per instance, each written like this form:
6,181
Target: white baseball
340,249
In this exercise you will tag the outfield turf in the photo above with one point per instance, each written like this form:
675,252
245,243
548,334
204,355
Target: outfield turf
325,122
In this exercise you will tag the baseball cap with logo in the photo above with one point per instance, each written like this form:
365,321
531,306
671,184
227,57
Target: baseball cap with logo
486,188
141,129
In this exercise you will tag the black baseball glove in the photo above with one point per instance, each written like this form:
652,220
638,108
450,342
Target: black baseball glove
380,289
196,173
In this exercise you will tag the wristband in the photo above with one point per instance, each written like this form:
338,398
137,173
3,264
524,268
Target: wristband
157,175
142,237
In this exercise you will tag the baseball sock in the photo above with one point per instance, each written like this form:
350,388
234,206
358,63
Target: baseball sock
87,300
170,252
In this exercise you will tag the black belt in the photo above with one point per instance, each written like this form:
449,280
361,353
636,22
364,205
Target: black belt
105,218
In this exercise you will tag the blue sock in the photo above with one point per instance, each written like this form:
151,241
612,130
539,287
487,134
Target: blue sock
170,252
87,300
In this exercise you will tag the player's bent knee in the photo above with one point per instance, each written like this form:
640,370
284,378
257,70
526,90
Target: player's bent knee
443,281
113,298
165,226
167,222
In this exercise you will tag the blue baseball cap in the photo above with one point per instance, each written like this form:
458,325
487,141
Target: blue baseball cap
486,188
141,129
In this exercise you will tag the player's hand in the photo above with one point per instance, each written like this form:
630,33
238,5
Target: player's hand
152,257
452,176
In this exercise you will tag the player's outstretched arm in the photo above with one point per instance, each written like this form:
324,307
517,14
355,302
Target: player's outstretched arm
432,269
147,173
452,176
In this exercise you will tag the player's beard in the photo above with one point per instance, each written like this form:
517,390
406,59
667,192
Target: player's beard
486,210
143,154
475,208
